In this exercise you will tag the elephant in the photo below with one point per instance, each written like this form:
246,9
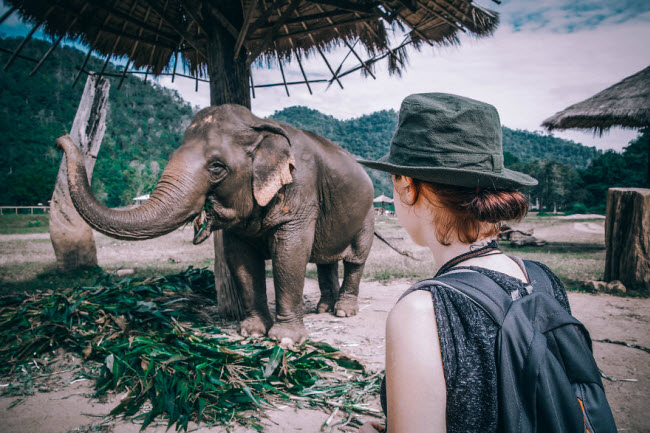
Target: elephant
278,193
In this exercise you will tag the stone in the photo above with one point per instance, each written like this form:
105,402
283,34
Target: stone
616,286
595,286
124,272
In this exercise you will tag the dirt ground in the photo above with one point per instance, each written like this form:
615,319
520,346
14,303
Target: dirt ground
65,405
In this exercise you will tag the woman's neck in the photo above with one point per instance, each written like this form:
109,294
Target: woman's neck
443,253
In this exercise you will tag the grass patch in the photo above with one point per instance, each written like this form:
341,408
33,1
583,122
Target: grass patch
24,224
155,339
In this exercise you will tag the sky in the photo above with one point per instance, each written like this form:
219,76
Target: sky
544,56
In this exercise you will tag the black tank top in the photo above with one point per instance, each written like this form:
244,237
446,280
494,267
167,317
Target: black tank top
467,339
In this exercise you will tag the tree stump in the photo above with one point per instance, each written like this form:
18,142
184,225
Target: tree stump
72,238
627,237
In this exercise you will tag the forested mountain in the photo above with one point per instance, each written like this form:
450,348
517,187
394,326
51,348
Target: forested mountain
144,125
146,122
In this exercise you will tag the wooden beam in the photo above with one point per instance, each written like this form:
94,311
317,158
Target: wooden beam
223,20
153,50
329,20
135,47
389,49
127,17
411,26
303,73
442,17
117,41
268,38
264,16
317,29
27,38
348,5
190,40
463,15
56,44
241,37
284,80
127,35
199,22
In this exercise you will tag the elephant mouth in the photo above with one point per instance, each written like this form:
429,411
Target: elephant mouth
202,227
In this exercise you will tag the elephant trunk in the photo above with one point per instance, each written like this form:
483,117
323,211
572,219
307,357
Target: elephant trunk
178,196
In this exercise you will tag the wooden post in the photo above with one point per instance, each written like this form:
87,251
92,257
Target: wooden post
229,84
627,237
72,238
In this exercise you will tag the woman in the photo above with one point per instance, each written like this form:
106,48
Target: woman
451,195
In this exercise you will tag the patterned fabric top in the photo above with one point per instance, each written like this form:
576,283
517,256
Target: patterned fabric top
467,339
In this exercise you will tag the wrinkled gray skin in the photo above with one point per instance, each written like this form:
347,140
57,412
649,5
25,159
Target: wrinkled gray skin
279,193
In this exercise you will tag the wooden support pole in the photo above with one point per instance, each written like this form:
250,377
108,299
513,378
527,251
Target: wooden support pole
284,80
627,237
71,237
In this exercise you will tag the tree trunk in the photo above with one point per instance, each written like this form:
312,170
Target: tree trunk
627,237
72,238
229,84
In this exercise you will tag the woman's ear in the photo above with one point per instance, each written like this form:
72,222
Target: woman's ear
404,187
273,163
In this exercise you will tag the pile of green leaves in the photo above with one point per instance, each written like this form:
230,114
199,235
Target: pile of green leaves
156,339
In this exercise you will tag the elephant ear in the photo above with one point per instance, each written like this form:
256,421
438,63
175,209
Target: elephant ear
273,163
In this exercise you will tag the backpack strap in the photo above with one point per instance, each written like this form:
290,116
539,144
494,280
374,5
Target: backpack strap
478,288
538,278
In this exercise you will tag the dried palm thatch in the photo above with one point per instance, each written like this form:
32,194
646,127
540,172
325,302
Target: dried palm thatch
626,104
152,33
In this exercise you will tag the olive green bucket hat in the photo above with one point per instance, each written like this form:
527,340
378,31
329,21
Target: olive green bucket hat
451,140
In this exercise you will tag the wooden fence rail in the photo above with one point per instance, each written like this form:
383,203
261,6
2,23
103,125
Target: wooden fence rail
4,209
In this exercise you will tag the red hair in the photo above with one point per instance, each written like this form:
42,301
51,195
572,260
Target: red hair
469,213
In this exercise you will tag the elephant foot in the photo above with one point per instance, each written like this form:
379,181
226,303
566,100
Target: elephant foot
325,305
288,334
346,307
255,326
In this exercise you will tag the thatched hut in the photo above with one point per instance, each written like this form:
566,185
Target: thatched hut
218,41
625,104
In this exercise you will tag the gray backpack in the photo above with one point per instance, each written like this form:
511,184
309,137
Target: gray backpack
548,381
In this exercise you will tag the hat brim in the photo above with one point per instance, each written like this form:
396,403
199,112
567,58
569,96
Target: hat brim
508,179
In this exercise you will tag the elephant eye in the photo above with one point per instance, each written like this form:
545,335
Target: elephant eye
218,171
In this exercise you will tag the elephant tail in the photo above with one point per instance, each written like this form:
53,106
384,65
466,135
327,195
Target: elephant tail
402,252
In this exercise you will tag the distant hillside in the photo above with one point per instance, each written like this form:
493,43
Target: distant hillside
145,123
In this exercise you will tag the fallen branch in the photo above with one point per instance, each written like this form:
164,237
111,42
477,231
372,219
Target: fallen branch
613,379
402,252
624,343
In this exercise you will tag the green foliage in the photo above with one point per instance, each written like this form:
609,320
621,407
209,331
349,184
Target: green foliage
155,340
145,123
22,224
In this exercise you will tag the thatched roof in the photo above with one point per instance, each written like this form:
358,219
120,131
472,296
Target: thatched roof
151,32
626,104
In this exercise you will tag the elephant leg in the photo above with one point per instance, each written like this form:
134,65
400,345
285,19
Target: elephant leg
328,281
290,253
347,304
247,267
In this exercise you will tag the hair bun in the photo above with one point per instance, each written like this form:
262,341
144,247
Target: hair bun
496,206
